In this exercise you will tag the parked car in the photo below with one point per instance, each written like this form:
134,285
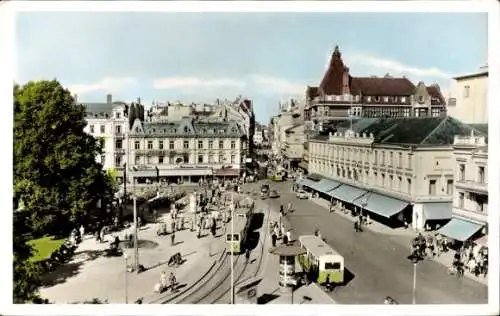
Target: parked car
274,194
390,301
303,195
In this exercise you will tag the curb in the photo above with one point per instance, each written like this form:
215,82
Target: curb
165,300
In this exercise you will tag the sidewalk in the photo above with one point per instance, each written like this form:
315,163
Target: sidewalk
91,275
445,259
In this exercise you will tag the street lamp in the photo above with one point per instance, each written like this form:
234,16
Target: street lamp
125,256
414,260
232,253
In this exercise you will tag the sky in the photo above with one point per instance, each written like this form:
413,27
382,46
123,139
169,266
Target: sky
266,57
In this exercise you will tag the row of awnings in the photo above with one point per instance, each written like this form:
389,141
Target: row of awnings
377,203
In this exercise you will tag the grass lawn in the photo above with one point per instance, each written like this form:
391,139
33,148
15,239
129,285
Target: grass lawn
44,247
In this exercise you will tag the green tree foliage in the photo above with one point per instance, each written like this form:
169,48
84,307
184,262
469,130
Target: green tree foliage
55,171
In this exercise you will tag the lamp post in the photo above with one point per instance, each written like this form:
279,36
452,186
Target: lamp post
136,230
125,256
414,260
232,253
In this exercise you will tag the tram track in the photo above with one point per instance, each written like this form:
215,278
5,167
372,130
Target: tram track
264,228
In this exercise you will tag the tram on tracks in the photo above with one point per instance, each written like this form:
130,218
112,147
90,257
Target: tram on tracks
321,261
236,239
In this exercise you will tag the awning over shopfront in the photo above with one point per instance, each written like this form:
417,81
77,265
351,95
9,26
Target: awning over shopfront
185,172
437,210
460,229
228,172
346,193
142,173
307,183
325,185
380,204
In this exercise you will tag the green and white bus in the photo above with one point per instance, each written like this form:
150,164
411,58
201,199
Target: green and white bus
321,260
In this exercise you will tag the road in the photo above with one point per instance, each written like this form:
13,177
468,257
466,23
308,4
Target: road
378,262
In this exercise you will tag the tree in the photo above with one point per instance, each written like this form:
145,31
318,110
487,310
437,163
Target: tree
55,171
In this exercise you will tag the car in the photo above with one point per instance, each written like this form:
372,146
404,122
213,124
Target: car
390,301
303,195
274,194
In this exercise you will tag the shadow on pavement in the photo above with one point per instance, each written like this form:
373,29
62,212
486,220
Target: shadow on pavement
61,274
180,286
88,255
252,240
266,298
348,277
256,221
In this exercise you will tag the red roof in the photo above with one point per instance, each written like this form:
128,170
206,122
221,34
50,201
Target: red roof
382,86
332,82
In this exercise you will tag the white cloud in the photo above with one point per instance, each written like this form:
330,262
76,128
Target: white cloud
393,67
189,83
106,84
277,85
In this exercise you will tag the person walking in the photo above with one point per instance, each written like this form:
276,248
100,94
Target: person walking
247,255
172,239
82,232
273,239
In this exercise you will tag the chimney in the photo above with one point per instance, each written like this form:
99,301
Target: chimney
109,99
138,100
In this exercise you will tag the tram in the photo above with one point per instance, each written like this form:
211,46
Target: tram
235,240
321,261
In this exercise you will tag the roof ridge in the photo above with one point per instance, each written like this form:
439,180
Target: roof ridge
434,130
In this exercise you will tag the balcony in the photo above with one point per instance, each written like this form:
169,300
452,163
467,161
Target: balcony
120,150
119,134
475,186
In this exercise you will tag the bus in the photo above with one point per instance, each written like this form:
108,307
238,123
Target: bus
235,240
321,261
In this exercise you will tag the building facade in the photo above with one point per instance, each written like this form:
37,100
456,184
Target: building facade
468,102
187,150
396,169
470,198
294,145
340,95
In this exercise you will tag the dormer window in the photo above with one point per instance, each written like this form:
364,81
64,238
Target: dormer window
421,98
403,99
186,129
164,130
175,130
233,130
137,129
369,99
118,115
377,99
154,130
386,99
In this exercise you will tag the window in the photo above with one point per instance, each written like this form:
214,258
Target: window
403,99
369,99
200,158
391,158
432,187
137,160
466,91
391,181
409,161
233,144
118,129
171,144
137,145
236,237
118,161
408,182
171,160
210,144
406,112
103,129
160,144
383,158
148,160
449,186
421,98
150,144
375,157
211,159
400,180
233,159
200,144
118,144
332,266
461,172
383,179
221,158
160,159
185,158
186,144
461,197
386,99
481,175
91,129
103,159
221,144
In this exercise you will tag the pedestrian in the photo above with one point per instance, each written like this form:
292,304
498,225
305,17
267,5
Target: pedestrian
368,219
356,227
155,215
82,231
285,240
172,226
273,239
289,235
102,233
172,239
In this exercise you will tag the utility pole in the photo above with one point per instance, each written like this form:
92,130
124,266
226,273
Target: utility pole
232,253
